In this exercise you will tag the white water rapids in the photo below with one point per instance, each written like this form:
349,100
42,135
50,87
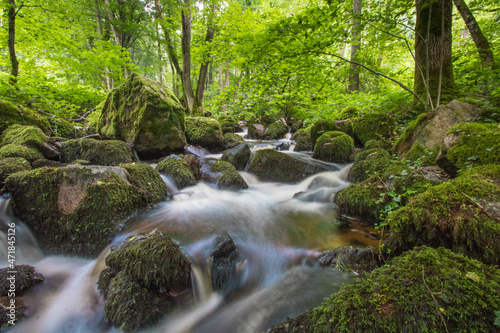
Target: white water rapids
276,227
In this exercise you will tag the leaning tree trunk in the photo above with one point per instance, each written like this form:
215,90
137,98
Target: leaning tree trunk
186,58
14,63
482,44
355,46
433,65
200,88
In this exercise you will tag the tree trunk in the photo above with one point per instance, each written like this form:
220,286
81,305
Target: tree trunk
227,74
355,46
221,81
14,63
433,51
186,58
200,88
482,44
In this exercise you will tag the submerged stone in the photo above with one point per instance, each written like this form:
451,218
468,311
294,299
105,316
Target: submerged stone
78,209
423,290
205,132
350,258
225,256
144,114
25,278
97,152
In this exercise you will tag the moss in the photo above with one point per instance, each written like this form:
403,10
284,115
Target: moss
178,170
131,307
276,130
93,119
64,128
334,146
55,203
11,114
205,132
320,127
348,112
154,260
302,139
477,144
146,115
367,163
28,136
232,140
425,290
227,177
382,144
408,133
374,126
489,115
13,150
98,152
228,124
421,156
302,133
238,156
12,165
459,215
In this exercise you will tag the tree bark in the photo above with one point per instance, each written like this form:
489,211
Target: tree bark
186,57
14,63
433,51
200,88
482,44
355,46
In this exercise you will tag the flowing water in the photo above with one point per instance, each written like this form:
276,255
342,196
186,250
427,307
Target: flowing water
277,228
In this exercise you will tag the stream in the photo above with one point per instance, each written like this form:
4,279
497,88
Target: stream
277,228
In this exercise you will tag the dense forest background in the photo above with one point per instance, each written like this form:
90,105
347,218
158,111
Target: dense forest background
246,58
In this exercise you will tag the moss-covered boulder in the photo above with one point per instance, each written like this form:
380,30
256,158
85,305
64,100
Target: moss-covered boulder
78,209
12,165
419,155
367,163
238,156
302,138
425,290
276,130
30,137
349,112
271,165
468,145
462,215
144,114
256,131
98,152
177,169
13,150
429,129
389,188
12,114
383,144
320,127
229,125
334,147
205,132
144,276
232,140
222,174
378,125
92,120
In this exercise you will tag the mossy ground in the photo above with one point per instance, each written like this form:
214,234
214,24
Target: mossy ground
425,290
419,155
205,132
454,215
374,126
367,163
98,152
178,170
334,147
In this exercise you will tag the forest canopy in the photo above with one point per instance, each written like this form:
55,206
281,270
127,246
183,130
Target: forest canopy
297,59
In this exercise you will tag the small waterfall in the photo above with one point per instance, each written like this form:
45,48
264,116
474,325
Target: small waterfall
172,188
201,269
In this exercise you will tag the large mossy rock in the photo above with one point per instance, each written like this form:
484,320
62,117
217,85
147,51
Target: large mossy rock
429,129
271,165
144,114
302,139
13,150
425,290
177,169
98,152
79,209
462,215
232,140
205,132
367,163
276,130
12,114
238,156
378,125
229,125
334,147
143,279
222,174
30,137
468,145
320,127
12,165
